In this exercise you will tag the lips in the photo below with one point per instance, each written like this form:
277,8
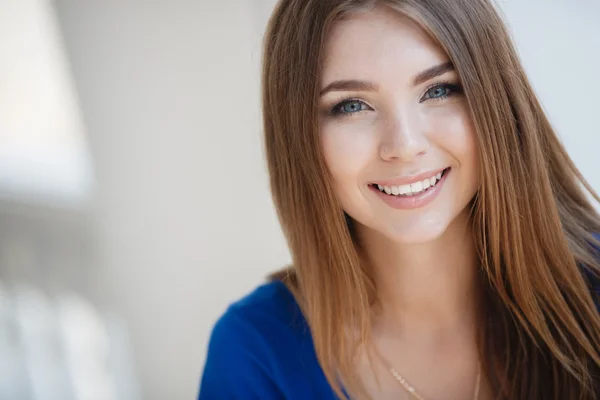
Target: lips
413,188
412,200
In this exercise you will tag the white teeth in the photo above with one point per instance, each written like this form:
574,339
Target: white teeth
416,187
413,188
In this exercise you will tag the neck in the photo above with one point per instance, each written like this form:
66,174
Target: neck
429,287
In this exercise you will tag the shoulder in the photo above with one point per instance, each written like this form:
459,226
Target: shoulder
267,315
271,301
267,312
259,347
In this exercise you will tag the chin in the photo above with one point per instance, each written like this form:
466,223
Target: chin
424,228
415,227
415,234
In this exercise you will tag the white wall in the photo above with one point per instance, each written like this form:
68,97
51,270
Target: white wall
169,92
559,43
170,96
43,154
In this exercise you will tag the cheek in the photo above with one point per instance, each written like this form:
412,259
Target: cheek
454,133
348,148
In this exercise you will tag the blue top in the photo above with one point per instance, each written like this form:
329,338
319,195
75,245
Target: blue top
261,348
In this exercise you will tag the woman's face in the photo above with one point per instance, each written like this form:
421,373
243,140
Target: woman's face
395,128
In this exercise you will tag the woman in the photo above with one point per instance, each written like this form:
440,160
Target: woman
442,241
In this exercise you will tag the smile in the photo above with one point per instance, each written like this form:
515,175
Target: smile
414,188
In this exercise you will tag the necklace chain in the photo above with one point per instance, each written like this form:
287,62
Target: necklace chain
411,390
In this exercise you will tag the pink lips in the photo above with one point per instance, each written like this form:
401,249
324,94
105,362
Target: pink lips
410,179
412,202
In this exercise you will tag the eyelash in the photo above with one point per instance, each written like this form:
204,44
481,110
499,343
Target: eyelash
454,89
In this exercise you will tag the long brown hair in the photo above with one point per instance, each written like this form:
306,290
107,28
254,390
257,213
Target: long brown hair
533,224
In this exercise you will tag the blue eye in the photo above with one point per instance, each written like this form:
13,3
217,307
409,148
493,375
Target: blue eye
348,107
441,91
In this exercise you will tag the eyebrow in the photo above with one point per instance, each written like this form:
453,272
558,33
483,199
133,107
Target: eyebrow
353,85
349,85
432,72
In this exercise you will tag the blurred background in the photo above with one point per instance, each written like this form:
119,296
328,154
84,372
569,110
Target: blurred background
134,199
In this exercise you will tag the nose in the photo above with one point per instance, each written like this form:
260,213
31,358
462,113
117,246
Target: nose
403,139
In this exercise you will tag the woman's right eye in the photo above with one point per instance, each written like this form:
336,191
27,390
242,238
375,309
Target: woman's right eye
349,107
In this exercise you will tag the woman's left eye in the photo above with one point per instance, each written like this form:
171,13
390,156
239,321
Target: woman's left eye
441,91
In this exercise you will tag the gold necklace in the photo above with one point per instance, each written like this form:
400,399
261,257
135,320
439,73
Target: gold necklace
411,390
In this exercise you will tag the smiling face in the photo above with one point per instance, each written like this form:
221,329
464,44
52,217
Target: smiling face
395,128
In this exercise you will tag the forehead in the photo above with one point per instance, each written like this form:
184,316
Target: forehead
378,43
